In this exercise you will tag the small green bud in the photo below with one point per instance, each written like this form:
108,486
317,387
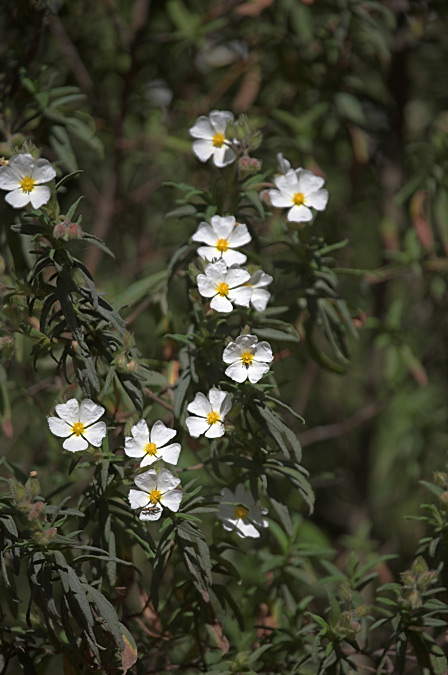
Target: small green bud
415,600
419,566
32,485
248,166
439,478
132,366
121,363
128,340
255,140
17,490
443,499
407,579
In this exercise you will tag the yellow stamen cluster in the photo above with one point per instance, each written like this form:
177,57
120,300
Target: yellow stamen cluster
155,496
27,184
298,198
222,289
213,417
222,245
240,512
247,357
218,140
78,428
151,449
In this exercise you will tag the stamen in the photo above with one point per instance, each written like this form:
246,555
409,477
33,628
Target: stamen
298,198
240,512
155,496
218,140
151,449
222,289
78,428
27,184
247,357
213,417
222,245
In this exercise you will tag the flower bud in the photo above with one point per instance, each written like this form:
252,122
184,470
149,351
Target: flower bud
132,366
74,231
439,478
248,166
32,485
128,340
443,499
419,566
17,490
60,231
37,511
415,600
407,579
264,197
255,140
120,362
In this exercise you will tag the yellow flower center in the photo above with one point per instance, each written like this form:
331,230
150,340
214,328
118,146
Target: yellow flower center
222,245
78,428
222,289
298,198
213,417
218,140
247,357
27,184
155,496
240,512
151,449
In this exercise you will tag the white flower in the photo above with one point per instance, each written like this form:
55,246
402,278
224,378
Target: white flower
260,296
225,285
210,413
222,237
239,512
211,134
78,424
155,490
23,179
297,190
248,358
153,447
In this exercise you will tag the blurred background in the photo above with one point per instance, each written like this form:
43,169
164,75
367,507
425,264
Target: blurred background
354,90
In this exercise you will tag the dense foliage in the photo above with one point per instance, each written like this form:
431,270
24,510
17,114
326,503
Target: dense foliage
103,293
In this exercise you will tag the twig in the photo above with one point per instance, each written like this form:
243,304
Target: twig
328,431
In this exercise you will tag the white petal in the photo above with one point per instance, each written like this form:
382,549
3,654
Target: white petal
134,447
221,304
237,372
283,163
308,182
17,198
146,481
203,150
205,234
231,353
246,530
138,499
240,236
244,496
172,499
206,286
299,214
202,128
223,156
75,443
200,405
39,196
236,276
215,431
9,179
90,412
288,182
223,226
140,432
166,481
22,164
256,371
241,296
281,200
170,453
232,257
43,171
220,119
318,200
95,433
217,398
196,426
217,271
260,279
160,434
148,459
152,513
209,253
69,411
58,427
263,352
260,298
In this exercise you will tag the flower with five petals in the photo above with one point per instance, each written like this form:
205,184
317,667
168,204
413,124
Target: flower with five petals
222,236
225,285
248,358
239,512
152,447
211,141
155,490
23,177
209,414
78,424
297,191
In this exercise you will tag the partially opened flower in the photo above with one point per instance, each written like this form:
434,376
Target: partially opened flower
155,490
260,296
24,178
297,191
222,237
283,164
225,285
209,414
239,512
248,358
210,133
78,424
152,447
